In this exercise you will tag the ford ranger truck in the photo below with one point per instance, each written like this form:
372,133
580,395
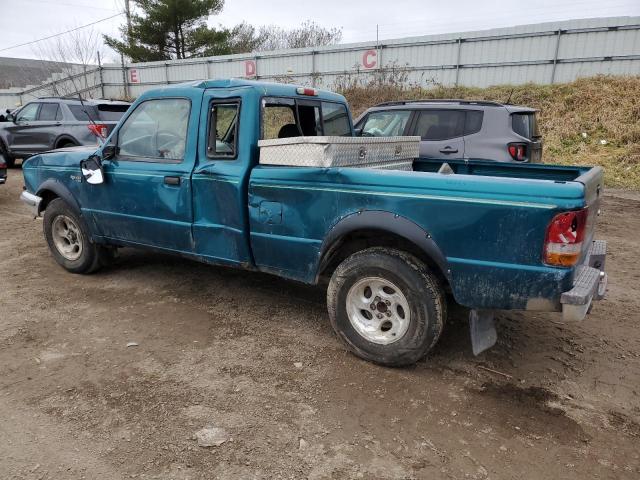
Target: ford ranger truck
185,172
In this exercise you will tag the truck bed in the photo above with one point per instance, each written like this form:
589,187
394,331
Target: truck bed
558,173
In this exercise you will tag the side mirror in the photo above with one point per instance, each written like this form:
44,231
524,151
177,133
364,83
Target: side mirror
7,111
109,152
357,132
92,170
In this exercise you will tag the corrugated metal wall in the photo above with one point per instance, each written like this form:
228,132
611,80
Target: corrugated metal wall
540,53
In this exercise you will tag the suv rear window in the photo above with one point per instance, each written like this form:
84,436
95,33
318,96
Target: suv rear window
111,112
440,124
525,124
82,113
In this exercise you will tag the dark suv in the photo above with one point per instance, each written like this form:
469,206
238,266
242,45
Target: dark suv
49,123
457,129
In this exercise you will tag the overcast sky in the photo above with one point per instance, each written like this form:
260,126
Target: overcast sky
23,21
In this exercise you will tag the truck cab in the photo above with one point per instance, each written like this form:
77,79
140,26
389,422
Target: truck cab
185,172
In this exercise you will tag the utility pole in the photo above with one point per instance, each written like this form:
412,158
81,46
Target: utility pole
127,12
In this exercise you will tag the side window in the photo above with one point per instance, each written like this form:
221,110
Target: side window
157,129
386,124
279,120
223,130
336,119
49,112
28,113
440,124
473,122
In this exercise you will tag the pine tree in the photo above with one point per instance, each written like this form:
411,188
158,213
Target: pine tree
171,29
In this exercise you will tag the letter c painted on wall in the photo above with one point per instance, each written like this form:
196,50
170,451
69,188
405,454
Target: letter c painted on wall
249,68
369,59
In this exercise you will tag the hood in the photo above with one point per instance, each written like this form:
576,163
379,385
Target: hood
62,157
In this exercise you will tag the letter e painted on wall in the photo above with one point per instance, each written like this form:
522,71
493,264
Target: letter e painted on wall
133,75
369,59
250,68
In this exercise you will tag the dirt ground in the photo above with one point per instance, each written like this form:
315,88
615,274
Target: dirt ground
255,355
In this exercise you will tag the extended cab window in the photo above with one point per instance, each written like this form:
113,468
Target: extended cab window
157,129
223,130
386,124
440,124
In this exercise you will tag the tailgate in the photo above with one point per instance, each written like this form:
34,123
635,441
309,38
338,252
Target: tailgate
593,181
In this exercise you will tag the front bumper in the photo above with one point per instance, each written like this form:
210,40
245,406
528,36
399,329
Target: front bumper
589,284
33,201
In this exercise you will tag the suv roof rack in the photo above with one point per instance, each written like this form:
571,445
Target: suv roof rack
486,103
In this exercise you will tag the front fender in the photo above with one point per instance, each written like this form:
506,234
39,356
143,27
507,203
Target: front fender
52,188
385,222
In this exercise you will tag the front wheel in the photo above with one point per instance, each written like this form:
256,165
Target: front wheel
386,306
69,240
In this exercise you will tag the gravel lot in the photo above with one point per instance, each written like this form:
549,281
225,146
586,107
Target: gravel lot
255,356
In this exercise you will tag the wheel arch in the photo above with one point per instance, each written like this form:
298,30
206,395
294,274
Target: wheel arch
52,189
373,228
63,138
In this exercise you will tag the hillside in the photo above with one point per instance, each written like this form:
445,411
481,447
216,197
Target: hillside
592,121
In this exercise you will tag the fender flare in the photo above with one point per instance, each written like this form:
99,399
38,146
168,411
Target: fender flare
60,190
385,222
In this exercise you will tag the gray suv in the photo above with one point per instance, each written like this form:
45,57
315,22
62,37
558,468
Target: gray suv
49,123
458,129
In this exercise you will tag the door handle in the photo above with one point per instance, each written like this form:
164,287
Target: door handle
448,150
172,180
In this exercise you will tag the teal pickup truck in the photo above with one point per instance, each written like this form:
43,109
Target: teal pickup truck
269,177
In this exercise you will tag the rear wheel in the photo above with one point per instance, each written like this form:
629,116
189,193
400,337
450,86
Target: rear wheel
386,306
66,144
69,240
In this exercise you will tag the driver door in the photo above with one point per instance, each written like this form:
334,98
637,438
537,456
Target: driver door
146,196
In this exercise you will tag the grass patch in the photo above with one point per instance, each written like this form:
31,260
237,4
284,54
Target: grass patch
574,118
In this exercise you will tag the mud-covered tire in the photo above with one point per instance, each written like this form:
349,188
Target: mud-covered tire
419,289
88,257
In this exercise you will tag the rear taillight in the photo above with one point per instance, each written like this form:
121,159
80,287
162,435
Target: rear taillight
563,242
3,164
518,151
98,130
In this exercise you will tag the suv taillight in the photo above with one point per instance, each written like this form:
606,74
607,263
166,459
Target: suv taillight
563,241
518,151
99,130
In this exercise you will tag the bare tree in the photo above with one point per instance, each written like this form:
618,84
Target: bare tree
75,56
246,38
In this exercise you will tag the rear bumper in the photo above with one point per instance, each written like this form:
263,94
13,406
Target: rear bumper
589,285
33,201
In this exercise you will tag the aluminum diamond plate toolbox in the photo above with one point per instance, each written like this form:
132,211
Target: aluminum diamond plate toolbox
396,153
